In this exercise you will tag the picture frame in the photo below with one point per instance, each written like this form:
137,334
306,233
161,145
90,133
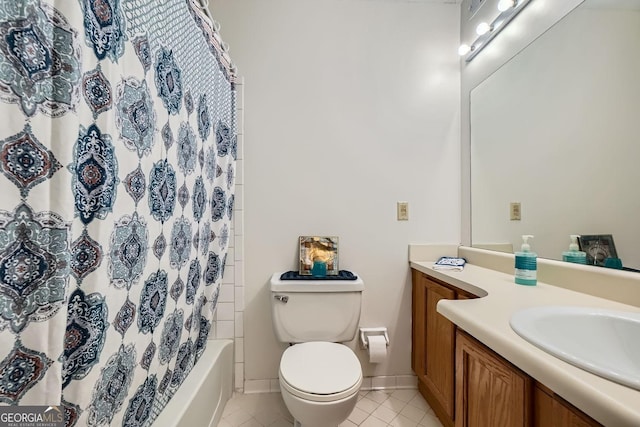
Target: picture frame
598,248
318,248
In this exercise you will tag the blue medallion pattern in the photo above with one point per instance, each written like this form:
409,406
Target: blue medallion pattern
170,336
212,271
159,246
199,199
97,92
135,184
25,161
210,164
168,81
176,289
112,386
230,177
203,332
135,116
188,101
147,356
183,195
104,28
205,238
39,59
184,363
180,243
186,149
141,403
84,338
71,413
167,136
193,280
152,301
224,139
218,204
166,379
19,371
232,199
162,191
94,174
86,256
124,318
34,266
128,250
223,239
204,121
143,51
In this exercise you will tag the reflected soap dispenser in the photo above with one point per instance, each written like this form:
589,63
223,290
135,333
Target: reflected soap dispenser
526,264
574,254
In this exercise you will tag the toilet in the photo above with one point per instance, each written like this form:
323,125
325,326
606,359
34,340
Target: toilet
319,377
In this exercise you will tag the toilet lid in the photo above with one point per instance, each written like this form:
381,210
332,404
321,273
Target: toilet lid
320,367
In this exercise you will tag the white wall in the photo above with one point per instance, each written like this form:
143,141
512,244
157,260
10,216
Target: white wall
350,106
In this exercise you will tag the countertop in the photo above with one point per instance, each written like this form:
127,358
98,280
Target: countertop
487,319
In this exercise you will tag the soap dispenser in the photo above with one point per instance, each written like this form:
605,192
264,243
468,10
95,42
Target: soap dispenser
574,254
526,264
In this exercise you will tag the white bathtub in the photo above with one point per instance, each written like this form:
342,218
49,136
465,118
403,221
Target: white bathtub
200,399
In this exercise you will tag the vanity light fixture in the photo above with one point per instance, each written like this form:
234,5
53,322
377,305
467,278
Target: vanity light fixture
483,28
507,10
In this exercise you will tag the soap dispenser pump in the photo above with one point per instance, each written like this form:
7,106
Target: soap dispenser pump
574,254
526,264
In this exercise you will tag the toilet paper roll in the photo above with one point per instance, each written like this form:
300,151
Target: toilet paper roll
377,349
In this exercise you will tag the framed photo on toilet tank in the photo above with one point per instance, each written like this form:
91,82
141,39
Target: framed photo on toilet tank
323,250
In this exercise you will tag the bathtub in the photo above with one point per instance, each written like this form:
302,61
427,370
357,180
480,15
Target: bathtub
200,399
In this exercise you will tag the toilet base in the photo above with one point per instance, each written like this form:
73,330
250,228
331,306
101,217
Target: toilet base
319,414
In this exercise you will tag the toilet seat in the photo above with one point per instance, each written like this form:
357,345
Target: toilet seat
320,371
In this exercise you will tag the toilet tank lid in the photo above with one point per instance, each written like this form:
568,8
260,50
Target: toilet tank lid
278,285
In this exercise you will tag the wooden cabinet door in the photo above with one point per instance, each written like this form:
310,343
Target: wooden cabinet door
418,324
489,390
550,410
440,347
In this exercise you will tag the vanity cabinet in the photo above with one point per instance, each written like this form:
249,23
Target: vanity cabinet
433,349
489,390
550,410
465,382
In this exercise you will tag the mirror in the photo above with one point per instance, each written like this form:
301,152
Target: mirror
556,130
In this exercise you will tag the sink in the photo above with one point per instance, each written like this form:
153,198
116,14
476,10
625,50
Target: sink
603,342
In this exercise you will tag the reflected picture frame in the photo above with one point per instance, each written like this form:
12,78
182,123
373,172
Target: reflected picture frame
598,248
318,248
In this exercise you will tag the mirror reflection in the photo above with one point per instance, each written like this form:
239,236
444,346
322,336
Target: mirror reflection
555,130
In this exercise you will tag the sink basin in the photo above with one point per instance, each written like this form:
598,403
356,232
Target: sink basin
603,342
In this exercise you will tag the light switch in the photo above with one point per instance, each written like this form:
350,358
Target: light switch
515,211
403,211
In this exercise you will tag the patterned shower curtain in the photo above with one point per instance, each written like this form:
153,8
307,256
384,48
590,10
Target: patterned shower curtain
117,154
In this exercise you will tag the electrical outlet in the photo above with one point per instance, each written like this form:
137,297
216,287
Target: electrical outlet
515,211
403,211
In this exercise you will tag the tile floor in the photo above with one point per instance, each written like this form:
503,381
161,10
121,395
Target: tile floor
377,408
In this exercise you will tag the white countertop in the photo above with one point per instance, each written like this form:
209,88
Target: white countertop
487,319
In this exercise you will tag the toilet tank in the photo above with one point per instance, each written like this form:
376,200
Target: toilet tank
315,310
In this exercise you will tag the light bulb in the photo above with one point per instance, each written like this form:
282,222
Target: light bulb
483,28
505,4
464,49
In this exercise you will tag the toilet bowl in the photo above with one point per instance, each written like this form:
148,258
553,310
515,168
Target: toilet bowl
319,382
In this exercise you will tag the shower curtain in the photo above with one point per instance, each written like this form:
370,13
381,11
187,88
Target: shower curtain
117,154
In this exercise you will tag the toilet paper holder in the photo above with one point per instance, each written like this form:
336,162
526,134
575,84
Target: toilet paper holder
365,333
